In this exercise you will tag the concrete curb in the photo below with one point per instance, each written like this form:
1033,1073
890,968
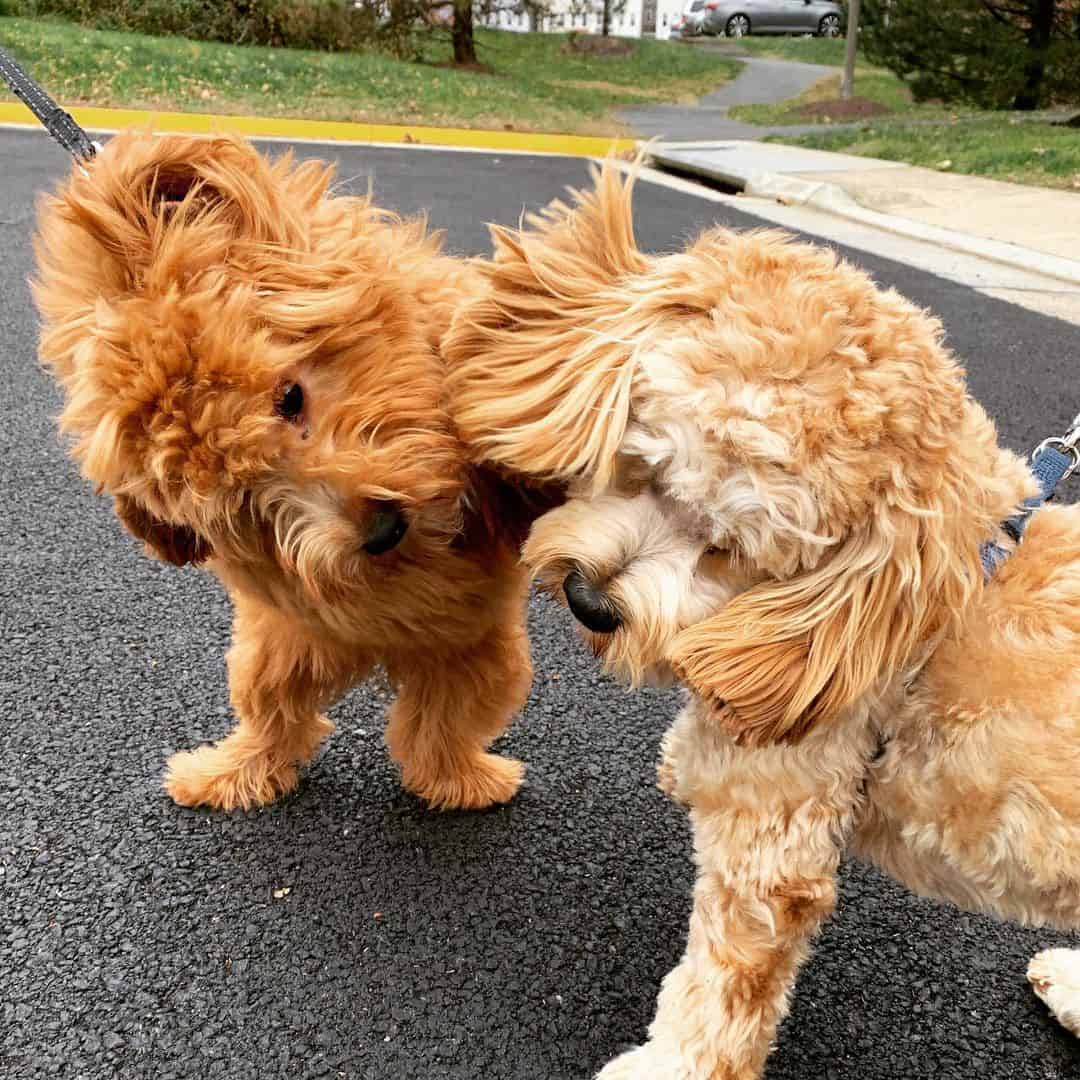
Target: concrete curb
324,131
833,199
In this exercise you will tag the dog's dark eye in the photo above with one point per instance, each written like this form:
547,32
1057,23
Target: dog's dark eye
291,403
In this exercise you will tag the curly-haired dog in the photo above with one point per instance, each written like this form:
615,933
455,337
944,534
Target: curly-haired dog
780,488
250,368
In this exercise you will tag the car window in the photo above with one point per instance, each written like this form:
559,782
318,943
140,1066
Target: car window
697,5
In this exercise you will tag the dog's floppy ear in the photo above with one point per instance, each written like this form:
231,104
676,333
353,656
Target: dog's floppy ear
123,213
787,654
539,367
176,544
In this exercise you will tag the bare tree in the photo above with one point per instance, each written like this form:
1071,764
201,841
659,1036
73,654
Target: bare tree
462,33
847,84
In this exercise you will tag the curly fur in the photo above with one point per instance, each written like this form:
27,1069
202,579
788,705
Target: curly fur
779,481
183,284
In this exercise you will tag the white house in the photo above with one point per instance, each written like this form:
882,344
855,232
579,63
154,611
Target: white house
635,18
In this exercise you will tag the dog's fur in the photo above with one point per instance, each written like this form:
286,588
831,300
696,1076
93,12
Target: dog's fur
185,285
781,485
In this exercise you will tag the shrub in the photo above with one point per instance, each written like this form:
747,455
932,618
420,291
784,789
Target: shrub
333,25
991,53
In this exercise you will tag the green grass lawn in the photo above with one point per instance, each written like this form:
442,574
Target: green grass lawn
534,86
809,50
1004,146
871,83
999,145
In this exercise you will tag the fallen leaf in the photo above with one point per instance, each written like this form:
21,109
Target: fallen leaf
282,892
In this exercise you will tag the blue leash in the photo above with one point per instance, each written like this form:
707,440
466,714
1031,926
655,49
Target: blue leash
1053,461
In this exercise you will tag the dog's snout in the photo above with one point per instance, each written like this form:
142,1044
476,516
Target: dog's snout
386,527
592,607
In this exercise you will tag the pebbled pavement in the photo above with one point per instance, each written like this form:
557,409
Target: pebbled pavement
139,940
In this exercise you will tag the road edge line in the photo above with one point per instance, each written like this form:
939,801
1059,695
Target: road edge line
331,131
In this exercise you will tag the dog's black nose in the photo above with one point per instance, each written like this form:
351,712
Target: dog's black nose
386,526
594,609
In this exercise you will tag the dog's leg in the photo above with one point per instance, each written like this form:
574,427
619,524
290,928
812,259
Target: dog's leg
449,709
769,828
280,679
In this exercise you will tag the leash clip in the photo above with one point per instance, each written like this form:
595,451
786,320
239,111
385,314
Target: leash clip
1067,444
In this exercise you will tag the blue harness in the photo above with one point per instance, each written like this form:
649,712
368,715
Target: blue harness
1052,462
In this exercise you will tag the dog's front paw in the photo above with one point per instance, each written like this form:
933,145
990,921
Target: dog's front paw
1055,976
484,780
648,1062
215,776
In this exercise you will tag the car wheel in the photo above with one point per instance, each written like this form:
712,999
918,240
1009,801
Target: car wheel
829,26
739,26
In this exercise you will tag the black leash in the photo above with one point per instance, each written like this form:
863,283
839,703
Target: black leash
57,123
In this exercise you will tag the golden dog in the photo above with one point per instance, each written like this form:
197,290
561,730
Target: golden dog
779,491
251,370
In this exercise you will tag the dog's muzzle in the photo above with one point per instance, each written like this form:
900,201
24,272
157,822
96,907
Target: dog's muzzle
592,607
386,527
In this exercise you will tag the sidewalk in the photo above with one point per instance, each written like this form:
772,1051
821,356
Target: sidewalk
1030,228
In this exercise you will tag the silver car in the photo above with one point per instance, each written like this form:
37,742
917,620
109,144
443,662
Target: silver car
737,18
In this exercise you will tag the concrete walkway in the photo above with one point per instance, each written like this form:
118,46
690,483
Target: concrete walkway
1031,228
760,82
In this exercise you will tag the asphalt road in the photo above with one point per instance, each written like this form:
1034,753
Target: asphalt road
139,940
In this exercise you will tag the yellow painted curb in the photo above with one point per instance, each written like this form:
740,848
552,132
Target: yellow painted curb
94,119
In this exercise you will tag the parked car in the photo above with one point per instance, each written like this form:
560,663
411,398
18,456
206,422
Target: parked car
737,18
690,24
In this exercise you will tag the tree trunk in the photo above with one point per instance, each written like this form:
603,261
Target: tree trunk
847,84
464,45
607,18
1038,41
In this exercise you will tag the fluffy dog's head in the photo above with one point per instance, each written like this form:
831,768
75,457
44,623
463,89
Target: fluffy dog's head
247,360
781,482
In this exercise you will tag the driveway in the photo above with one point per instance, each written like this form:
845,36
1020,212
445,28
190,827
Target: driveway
760,82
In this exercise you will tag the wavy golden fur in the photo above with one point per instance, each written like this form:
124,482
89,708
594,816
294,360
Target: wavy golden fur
779,488
250,368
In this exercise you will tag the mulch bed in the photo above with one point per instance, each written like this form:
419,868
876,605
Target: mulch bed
597,45
855,109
